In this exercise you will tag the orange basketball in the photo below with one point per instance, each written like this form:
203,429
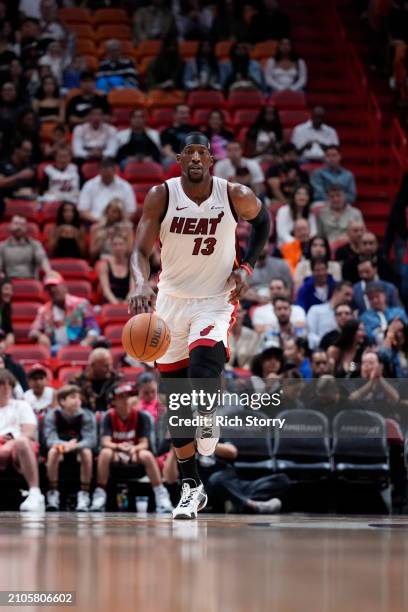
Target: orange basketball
146,337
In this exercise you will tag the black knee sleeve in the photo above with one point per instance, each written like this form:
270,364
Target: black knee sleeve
207,361
168,385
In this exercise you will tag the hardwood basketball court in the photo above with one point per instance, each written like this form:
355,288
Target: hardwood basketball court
286,563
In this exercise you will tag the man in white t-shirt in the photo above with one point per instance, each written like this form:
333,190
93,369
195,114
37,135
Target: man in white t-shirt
311,138
17,441
40,396
264,318
238,169
98,192
95,138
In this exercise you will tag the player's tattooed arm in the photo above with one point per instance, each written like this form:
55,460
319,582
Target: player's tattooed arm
146,235
248,207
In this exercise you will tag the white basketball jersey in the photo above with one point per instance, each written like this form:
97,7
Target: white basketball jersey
198,243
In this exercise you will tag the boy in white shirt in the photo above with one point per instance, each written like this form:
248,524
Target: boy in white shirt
40,396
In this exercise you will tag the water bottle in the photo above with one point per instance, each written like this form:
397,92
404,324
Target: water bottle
122,497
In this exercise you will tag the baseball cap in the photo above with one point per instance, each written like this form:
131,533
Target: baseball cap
38,368
124,389
54,278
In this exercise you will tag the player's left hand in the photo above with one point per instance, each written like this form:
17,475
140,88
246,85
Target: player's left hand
240,276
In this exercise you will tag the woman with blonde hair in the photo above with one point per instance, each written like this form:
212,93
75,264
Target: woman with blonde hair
114,272
114,221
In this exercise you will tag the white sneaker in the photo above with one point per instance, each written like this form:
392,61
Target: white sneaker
53,500
34,503
98,500
163,503
271,506
83,501
192,500
207,436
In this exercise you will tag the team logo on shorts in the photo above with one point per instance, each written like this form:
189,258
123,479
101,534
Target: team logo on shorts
206,330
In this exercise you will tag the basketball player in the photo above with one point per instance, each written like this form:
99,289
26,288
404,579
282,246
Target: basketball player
201,281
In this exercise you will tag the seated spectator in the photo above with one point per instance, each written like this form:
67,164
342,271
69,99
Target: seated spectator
65,319
152,22
298,248
56,59
114,273
138,142
342,314
165,71
114,222
9,364
17,174
283,178
116,70
369,248
21,256
345,354
28,128
67,238
148,396
95,138
298,208
311,137
40,396
193,22
72,73
319,363
58,138
264,317
295,351
318,247
6,310
216,133
18,446
202,71
377,388
98,192
239,169
334,219
283,330
87,98
318,288
61,179
285,71
377,317
351,249
264,134
267,368
98,380
252,496
10,109
125,440
266,269
48,103
69,432
241,72
243,343
368,273
321,318
332,173
51,27
173,136
395,348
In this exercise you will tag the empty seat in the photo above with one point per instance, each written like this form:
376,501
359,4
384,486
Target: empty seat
67,373
288,100
118,354
158,97
25,311
264,50
126,97
291,118
27,289
131,374
71,268
24,208
245,99
49,211
141,190
148,47
162,117
143,172
73,355
188,48
121,116
205,99
74,15
245,117
302,446
82,30
120,31
21,330
27,354
110,16
113,333
80,288
114,313
222,49
85,46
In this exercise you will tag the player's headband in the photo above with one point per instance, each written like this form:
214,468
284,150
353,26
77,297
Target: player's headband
195,138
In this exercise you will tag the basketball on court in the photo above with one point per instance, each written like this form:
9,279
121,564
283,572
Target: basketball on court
146,337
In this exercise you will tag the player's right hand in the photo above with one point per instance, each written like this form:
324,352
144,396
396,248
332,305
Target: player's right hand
141,301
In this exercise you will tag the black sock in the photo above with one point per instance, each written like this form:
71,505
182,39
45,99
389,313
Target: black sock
188,470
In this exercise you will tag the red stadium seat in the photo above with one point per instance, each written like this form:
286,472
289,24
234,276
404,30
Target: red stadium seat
71,268
188,48
82,30
117,353
148,48
157,98
33,231
205,99
25,311
126,98
114,314
222,49
131,374
25,289
288,100
74,15
245,117
80,288
73,355
49,212
162,117
121,116
21,331
28,354
290,118
84,46
107,31
113,333
200,116
141,190
90,170
264,50
68,373
24,208
110,15
143,172
245,99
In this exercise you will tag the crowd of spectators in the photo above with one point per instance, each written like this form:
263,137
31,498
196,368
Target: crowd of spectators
323,301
